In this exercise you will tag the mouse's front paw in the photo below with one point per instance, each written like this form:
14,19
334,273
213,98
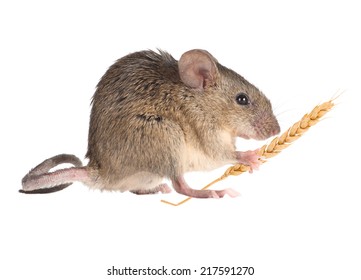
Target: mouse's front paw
250,158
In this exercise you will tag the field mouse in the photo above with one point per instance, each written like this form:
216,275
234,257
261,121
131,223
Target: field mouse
156,118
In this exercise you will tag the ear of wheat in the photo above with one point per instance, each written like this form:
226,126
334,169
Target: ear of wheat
278,143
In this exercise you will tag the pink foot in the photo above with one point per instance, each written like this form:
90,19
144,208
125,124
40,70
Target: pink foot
164,188
250,158
182,187
230,192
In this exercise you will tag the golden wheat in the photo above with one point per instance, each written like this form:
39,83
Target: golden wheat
278,144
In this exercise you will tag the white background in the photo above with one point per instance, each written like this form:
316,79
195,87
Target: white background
297,218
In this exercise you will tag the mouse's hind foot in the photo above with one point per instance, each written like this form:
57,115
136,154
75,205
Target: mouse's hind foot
182,187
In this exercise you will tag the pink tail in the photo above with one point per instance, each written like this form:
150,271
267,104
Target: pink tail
40,180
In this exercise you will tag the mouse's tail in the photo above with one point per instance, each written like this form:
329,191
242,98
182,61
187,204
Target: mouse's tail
40,180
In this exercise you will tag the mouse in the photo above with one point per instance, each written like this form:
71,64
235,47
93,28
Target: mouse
153,119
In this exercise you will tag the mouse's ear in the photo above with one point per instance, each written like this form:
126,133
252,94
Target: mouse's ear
198,69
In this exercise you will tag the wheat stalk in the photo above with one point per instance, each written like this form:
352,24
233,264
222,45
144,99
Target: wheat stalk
278,143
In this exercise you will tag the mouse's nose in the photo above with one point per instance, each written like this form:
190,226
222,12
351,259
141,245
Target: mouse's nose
276,130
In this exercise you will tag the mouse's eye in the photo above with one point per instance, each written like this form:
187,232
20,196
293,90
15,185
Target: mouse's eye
242,99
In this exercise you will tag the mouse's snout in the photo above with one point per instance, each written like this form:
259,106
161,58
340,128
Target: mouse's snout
269,131
265,127
275,130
